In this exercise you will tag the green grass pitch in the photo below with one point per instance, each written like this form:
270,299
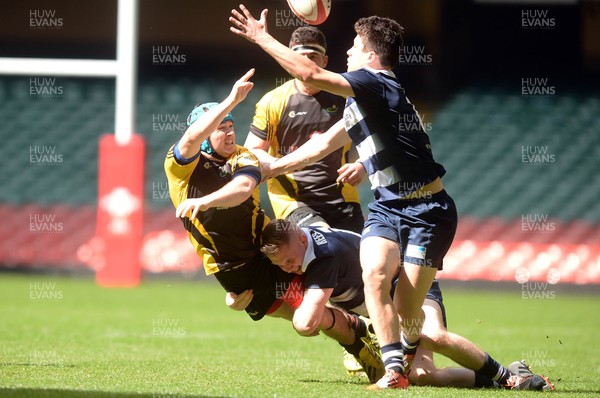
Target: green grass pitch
66,337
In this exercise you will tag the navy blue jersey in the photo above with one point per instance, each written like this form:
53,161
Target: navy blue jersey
332,261
388,133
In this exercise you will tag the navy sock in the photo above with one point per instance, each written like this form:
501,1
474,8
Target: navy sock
409,348
355,347
493,370
358,325
392,357
482,381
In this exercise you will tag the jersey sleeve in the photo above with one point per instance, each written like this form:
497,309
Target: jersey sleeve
178,174
266,117
260,122
321,274
365,86
177,167
247,164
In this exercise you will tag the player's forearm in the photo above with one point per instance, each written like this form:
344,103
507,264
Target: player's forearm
232,194
313,150
207,123
295,64
298,159
304,69
202,128
262,155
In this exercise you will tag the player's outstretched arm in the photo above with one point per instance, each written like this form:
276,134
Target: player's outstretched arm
246,26
231,194
189,145
313,150
259,148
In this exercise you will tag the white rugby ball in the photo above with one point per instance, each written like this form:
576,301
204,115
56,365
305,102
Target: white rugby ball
313,12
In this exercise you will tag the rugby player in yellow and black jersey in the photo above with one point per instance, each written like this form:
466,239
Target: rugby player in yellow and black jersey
286,118
213,185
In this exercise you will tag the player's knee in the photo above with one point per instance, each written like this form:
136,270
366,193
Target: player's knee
435,340
304,328
374,280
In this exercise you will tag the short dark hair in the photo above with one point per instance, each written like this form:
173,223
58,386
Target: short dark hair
383,36
275,234
308,35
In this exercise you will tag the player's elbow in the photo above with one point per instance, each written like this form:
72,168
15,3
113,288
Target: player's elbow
245,186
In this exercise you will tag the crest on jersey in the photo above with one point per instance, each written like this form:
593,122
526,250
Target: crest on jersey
318,237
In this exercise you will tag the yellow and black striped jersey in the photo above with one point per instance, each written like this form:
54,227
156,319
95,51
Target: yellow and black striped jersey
223,237
287,119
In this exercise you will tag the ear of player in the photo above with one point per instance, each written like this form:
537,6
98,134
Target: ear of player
313,12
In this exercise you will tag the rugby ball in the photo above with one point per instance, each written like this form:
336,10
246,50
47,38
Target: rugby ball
313,12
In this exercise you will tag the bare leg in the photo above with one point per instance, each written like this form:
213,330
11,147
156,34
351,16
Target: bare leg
457,348
380,259
341,331
413,284
435,337
424,372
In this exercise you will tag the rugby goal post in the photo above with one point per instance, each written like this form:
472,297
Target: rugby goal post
121,155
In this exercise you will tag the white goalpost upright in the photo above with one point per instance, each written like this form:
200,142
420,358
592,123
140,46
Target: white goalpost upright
121,156
123,68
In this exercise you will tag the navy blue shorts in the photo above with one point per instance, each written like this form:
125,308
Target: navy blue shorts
423,228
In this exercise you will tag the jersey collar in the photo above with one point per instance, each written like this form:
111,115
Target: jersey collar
382,71
309,255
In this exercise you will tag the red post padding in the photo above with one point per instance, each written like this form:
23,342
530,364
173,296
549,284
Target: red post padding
120,210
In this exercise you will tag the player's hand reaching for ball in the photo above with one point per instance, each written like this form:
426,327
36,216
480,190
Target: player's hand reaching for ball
245,25
239,302
242,87
194,205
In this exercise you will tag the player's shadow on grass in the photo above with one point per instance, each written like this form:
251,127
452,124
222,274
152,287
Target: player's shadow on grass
52,365
364,382
59,393
359,381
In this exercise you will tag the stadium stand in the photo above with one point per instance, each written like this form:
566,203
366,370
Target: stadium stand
521,170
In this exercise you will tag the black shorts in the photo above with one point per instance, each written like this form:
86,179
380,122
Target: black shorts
268,282
424,229
346,216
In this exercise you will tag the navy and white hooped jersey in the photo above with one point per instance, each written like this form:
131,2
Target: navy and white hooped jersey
332,261
389,135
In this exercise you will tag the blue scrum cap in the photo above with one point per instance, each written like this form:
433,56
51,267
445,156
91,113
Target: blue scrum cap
201,109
